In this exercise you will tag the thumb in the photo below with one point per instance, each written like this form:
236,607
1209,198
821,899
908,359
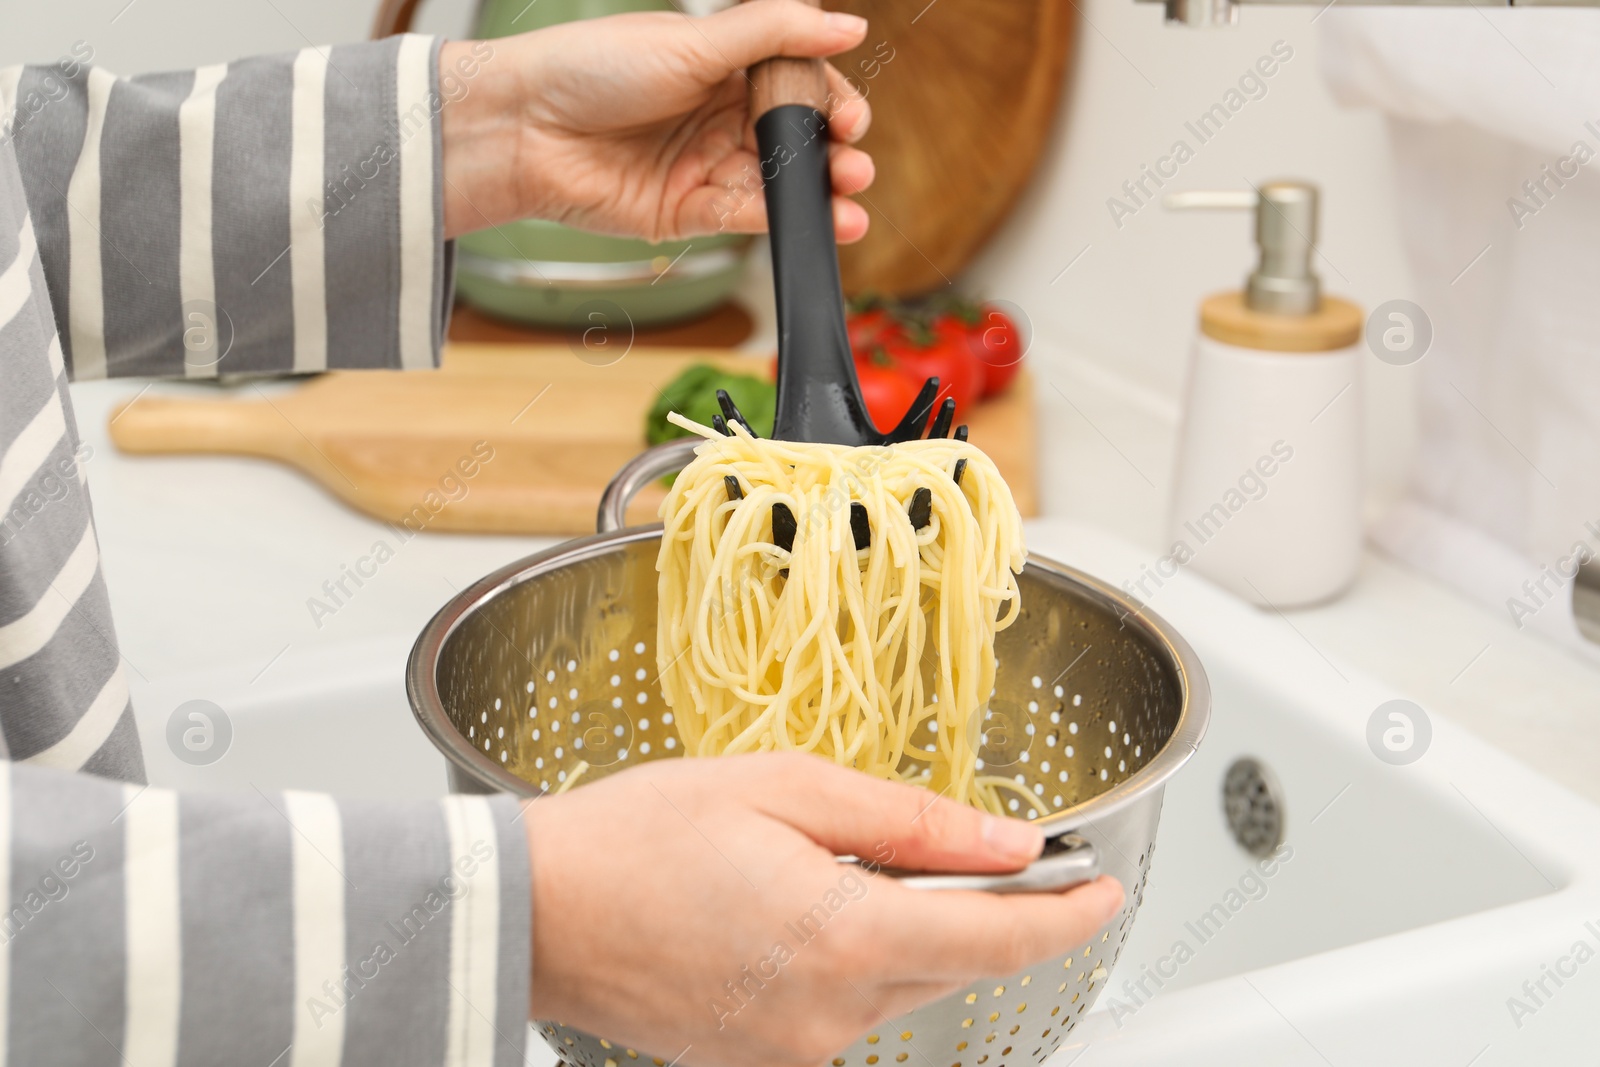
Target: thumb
747,33
897,825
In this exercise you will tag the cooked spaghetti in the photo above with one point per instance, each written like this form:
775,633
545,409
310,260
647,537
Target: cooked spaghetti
855,620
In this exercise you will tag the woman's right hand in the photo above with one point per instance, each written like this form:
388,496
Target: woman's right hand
638,124
694,908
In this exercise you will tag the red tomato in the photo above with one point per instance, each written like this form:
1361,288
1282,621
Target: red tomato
888,391
947,356
998,346
868,328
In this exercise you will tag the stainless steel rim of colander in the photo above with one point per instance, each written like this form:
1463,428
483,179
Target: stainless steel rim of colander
428,705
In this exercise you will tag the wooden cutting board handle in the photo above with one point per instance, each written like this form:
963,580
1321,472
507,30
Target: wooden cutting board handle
178,424
388,443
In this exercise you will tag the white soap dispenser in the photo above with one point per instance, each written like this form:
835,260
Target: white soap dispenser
1268,485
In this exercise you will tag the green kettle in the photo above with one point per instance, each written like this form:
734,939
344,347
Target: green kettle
545,274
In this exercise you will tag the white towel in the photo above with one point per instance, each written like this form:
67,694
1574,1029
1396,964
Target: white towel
1495,122
1532,597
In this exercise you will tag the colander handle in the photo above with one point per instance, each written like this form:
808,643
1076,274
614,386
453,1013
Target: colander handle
658,462
1068,860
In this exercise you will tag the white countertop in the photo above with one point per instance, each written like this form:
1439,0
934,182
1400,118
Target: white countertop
211,563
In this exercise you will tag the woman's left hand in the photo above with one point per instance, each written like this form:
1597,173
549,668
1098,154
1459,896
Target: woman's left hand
636,124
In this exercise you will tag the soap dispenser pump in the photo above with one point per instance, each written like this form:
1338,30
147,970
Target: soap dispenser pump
1268,485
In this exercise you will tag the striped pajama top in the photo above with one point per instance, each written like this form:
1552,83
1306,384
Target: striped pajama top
270,216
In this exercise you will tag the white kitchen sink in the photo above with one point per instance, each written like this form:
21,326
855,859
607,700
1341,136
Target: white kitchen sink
1416,902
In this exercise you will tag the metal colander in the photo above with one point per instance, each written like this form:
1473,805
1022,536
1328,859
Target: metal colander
551,660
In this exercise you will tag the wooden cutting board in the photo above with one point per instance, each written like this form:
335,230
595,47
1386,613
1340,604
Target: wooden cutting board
964,96
399,446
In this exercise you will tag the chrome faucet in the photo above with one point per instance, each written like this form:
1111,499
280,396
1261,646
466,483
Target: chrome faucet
1226,12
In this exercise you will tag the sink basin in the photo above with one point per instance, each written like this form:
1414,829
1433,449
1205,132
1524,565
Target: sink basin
1385,853
1399,924
1410,906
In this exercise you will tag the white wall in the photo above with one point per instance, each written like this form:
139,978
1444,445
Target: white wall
1129,304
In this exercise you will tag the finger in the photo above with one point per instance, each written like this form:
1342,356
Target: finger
849,114
719,209
850,221
735,206
710,210
732,199
963,936
852,169
740,174
884,822
748,33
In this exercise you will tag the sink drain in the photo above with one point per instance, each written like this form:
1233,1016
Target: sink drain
1253,804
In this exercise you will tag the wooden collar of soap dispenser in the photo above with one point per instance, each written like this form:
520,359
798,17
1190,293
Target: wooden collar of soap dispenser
1282,308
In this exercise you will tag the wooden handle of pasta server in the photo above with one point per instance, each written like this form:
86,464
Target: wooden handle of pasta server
782,80
394,16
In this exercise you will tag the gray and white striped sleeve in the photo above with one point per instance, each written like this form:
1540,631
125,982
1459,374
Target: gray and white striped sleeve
144,927
140,926
274,215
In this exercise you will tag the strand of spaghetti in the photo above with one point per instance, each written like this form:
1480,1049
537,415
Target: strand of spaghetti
578,771
998,781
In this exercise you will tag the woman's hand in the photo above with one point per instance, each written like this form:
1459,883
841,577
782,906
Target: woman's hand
694,907
636,124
